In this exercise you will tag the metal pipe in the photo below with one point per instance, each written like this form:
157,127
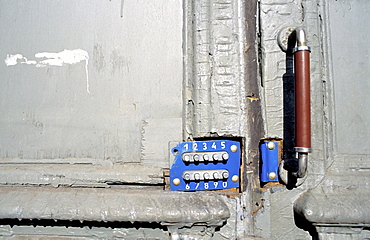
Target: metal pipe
300,36
302,101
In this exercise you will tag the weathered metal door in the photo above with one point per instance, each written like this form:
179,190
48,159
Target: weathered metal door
93,83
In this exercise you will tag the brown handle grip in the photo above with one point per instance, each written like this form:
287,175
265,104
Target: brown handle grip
302,99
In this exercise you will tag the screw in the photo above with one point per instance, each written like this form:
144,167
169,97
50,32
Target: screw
196,157
225,174
234,148
176,181
235,178
225,156
271,145
206,157
196,176
272,175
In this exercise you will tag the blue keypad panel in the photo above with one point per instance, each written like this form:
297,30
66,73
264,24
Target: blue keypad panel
205,165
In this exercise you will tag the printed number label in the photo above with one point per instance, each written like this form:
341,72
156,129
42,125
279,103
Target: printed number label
206,185
195,147
204,146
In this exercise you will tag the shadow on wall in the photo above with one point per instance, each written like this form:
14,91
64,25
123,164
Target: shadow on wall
290,161
302,223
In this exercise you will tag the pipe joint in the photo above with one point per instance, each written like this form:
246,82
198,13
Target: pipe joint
302,150
302,165
300,36
301,42
292,39
301,48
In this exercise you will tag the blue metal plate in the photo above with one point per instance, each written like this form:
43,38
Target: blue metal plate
205,165
270,162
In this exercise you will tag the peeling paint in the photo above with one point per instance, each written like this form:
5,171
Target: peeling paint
251,98
64,57
217,87
12,60
53,59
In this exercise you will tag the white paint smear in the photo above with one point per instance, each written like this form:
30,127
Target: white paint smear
61,58
53,59
13,60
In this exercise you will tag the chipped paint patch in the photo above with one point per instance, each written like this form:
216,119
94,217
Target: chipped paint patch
13,60
53,59
253,98
61,58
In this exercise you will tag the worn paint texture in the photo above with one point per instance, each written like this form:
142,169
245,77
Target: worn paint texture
93,96
325,207
83,83
214,78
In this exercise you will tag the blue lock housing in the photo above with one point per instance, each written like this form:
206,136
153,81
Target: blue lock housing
205,165
270,162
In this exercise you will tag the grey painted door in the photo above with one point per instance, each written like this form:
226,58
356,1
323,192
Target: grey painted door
96,82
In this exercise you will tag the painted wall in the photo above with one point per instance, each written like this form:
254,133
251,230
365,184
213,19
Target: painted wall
109,87
335,32
91,80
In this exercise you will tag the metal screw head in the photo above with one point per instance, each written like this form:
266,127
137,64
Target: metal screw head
234,148
235,178
271,145
186,158
196,176
225,156
272,175
176,181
